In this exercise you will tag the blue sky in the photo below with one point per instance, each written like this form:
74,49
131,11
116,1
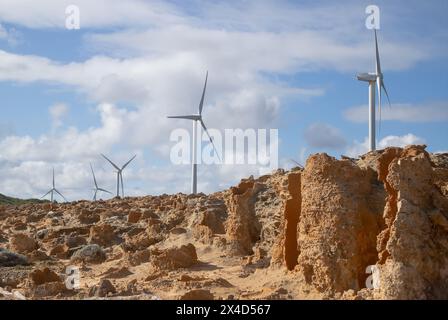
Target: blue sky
68,95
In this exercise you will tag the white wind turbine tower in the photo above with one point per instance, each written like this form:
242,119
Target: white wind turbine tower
54,190
372,79
119,174
196,118
96,185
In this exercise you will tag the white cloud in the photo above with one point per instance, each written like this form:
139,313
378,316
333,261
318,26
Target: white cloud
321,135
426,112
93,14
68,145
357,148
58,112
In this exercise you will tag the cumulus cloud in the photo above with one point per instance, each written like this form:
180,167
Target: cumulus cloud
357,148
68,145
321,136
425,112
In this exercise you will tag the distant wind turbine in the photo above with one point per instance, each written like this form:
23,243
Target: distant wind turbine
54,190
372,79
96,185
119,174
196,118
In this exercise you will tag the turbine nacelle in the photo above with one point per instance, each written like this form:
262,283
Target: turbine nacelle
367,77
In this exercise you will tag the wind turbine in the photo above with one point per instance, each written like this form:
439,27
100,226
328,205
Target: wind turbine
53,190
119,174
96,185
372,79
196,118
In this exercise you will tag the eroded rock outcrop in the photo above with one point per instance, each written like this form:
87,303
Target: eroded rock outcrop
338,226
242,227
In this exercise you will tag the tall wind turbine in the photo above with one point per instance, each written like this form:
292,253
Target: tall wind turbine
96,185
196,118
374,79
53,190
119,174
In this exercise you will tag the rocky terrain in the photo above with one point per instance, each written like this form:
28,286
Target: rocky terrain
321,232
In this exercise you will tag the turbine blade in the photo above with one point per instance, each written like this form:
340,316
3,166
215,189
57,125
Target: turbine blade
126,164
378,63
385,91
94,178
104,190
190,117
46,194
113,164
300,166
55,190
211,140
201,104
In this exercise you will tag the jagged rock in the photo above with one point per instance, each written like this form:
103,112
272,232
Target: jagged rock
88,217
414,243
175,258
11,259
12,277
46,283
75,241
139,257
49,289
151,236
134,216
338,225
242,227
103,289
22,243
92,253
45,275
103,235
59,251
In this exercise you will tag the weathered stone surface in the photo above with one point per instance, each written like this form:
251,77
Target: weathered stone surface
103,289
338,227
92,253
242,227
175,258
11,259
45,275
22,243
